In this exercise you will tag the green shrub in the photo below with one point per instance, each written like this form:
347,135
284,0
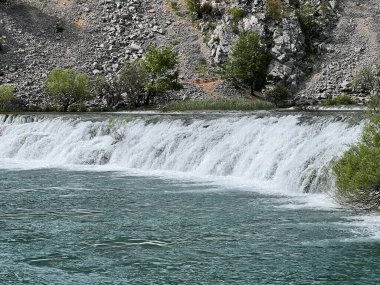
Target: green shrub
131,80
339,100
202,67
67,87
237,104
193,6
278,95
358,171
325,7
174,6
160,65
6,97
248,62
309,26
236,14
275,9
367,80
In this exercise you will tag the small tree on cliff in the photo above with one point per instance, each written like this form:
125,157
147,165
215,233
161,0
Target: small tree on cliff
248,62
67,87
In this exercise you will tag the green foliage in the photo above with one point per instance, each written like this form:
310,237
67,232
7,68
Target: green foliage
193,6
67,87
202,68
374,102
131,80
325,7
368,80
275,9
358,171
236,14
160,64
278,94
174,5
309,26
237,104
6,97
339,100
248,62
99,86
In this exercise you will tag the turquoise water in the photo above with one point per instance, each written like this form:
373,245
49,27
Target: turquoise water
85,227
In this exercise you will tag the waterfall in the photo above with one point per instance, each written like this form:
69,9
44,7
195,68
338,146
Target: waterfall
291,151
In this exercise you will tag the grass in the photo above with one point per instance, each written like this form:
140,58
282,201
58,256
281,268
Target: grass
221,104
339,100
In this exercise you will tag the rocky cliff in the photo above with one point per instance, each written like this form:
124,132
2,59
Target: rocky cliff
98,36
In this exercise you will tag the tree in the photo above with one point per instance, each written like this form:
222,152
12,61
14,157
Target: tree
278,94
367,80
358,171
6,97
248,62
67,87
160,64
131,80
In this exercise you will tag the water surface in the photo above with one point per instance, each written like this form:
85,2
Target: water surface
87,227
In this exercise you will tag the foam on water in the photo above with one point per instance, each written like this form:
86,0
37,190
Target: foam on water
289,153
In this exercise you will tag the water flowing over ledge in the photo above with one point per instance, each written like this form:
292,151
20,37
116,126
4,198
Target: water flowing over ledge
292,152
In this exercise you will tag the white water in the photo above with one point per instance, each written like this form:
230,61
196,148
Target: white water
289,152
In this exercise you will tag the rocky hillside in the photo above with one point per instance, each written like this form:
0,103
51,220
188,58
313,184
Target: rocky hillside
97,36
355,43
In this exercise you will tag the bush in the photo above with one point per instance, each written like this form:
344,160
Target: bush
275,9
67,87
174,6
6,97
358,171
237,104
193,6
367,80
278,94
308,23
248,62
236,14
160,65
131,80
339,100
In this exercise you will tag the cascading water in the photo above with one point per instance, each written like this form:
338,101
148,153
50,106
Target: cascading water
294,152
